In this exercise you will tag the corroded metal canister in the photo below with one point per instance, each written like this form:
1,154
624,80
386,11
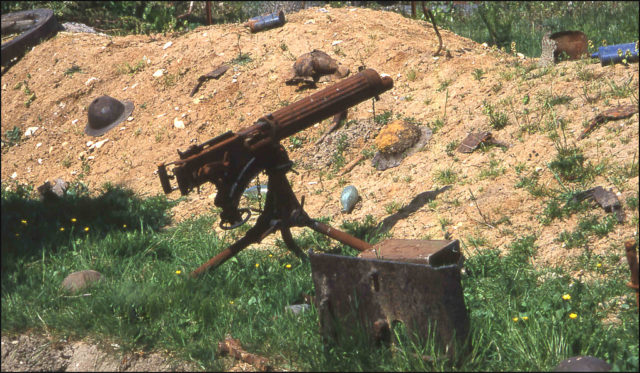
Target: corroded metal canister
266,22
613,54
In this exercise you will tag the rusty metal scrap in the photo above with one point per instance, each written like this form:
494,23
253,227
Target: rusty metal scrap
471,142
632,259
382,161
618,112
233,348
215,74
266,22
375,293
605,198
314,65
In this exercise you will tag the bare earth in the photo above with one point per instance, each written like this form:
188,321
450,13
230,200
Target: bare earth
384,41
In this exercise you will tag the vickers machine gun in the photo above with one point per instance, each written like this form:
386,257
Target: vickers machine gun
232,160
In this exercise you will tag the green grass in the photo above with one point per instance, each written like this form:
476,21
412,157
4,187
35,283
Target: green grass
144,303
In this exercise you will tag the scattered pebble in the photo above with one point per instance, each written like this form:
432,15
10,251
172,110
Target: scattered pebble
133,86
99,144
38,145
204,34
39,160
336,42
74,121
311,21
167,45
30,131
313,183
323,10
89,143
125,88
176,108
91,80
129,119
14,175
161,115
123,128
178,123
158,73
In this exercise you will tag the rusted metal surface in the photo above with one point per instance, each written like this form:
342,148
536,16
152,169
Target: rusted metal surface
355,294
471,142
571,44
231,161
431,252
232,347
632,259
266,22
618,112
215,74
310,67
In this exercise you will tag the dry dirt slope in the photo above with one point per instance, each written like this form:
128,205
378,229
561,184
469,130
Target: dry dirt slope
425,89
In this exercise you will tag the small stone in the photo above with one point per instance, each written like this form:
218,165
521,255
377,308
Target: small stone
178,123
99,144
38,145
348,198
158,73
129,119
74,121
14,175
311,21
39,160
30,131
297,308
167,45
91,80
89,143
133,86
336,42
77,281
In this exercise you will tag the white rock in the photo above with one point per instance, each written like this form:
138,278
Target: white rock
133,86
161,115
310,21
178,123
91,157
91,80
89,143
99,144
336,42
62,105
129,119
313,182
123,128
73,172
38,145
39,160
158,73
618,194
204,34
30,131
485,45
353,9
167,45
65,144
74,121
521,56
323,10
14,175
176,108
125,88
436,58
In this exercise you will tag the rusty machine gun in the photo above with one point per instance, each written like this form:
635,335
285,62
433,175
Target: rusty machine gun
232,160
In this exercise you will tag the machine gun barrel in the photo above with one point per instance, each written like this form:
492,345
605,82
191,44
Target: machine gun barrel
324,104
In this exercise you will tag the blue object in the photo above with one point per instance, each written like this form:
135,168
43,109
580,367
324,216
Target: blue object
609,55
266,22
349,198
253,191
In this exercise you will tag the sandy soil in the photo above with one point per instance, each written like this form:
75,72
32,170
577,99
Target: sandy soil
384,41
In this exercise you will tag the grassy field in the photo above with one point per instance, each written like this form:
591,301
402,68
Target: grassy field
522,317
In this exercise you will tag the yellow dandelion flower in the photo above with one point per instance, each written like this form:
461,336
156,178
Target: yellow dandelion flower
566,297
270,256
288,266
17,234
178,272
124,225
515,319
257,265
599,265
86,229
525,318
23,221
230,302
573,315
61,229
73,220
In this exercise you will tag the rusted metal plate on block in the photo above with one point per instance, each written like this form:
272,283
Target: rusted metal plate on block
431,252
355,294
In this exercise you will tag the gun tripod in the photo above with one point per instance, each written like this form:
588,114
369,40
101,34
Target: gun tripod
281,212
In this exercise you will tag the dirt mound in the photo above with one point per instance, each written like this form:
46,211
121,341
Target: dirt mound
444,92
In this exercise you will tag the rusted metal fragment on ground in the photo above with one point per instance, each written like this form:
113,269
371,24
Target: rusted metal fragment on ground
381,161
432,252
473,140
632,259
375,294
618,112
233,347
605,198
215,74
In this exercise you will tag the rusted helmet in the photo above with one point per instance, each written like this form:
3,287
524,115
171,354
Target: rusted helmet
106,112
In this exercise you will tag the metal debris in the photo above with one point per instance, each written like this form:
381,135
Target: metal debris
215,74
583,364
409,281
618,112
266,22
233,348
605,198
613,54
310,67
471,142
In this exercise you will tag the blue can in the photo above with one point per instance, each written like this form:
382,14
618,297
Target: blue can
612,54
266,22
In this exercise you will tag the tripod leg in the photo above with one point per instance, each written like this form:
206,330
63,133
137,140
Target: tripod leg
291,244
